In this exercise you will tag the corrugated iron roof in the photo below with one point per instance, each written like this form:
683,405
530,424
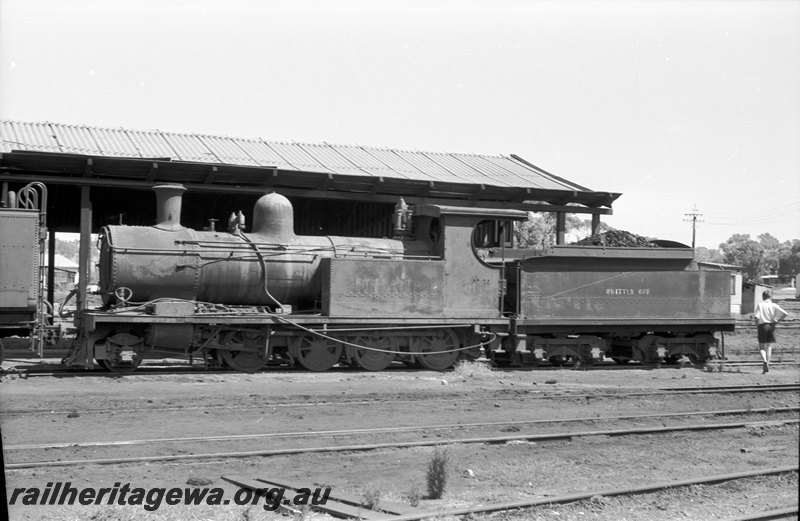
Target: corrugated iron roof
346,160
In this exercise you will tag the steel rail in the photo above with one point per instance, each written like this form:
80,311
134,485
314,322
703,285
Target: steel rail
758,362
661,392
626,491
180,367
755,363
726,387
393,430
778,513
398,445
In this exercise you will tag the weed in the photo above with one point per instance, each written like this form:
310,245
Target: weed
304,513
471,369
414,496
437,473
370,498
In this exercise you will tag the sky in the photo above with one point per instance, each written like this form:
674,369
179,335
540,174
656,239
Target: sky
678,105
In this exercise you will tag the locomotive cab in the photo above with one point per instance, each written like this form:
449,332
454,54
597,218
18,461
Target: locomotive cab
455,281
464,239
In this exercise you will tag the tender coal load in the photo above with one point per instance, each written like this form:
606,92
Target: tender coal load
618,238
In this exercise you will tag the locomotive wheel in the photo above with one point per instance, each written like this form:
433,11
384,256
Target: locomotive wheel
440,340
248,360
316,353
244,361
123,343
369,359
621,361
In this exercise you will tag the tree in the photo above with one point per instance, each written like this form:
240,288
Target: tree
741,250
789,258
68,249
771,247
581,228
538,233
703,254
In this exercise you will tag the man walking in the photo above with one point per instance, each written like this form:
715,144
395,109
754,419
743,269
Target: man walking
767,315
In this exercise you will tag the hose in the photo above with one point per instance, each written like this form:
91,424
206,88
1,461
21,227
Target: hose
263,268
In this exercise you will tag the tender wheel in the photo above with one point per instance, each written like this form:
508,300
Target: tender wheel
316,353
377,358
124,350
248,358
560,360
676,358
440,340
645,349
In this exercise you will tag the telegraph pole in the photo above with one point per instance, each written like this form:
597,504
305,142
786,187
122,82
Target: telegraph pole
693,218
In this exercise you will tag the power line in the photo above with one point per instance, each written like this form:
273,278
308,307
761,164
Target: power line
692,217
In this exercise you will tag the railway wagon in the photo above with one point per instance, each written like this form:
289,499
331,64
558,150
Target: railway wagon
584,303
428,296
23,230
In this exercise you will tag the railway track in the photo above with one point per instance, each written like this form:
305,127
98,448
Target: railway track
527,395
778,513
180,367
391,430
184,370
352,507
51,449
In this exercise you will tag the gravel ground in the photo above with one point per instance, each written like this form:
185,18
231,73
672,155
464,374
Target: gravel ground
138,406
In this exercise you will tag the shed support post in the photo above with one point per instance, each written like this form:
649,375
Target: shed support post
84,255
595,223
561,228
51,267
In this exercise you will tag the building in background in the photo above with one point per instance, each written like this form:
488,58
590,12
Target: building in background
751,296
736,284
66,272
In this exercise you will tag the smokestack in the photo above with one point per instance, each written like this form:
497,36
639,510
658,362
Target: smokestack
168,206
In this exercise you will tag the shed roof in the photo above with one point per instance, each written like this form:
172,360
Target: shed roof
340,167
721,266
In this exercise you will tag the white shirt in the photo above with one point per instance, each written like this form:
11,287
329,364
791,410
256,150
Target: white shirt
767,312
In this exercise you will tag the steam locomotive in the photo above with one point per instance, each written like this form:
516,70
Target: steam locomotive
435,293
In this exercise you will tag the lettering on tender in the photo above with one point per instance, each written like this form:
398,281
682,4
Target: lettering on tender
627,291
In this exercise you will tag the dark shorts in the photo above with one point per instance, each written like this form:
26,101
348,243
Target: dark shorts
766,333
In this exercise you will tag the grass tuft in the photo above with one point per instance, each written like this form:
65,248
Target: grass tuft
414,496
371,498
472,369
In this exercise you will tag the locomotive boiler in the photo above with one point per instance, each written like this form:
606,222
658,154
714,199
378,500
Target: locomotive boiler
270,266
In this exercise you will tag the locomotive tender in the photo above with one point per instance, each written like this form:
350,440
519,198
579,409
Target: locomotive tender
431,295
